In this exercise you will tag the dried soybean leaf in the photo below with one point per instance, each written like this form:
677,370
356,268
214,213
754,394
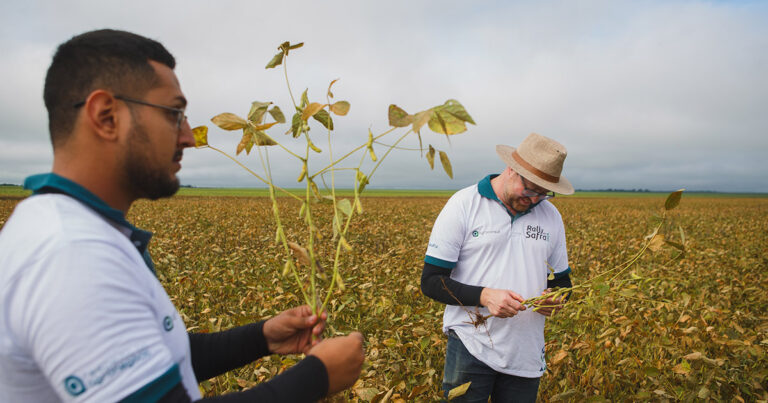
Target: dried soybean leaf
276,61
398,117
431,157
277,114
201,136
229,121
340,108
673,199
258,109
300,252
458,391
446,164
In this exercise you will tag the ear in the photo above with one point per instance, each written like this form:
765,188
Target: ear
101,115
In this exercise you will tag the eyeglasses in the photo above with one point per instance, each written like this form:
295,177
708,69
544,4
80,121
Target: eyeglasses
180,113
532,193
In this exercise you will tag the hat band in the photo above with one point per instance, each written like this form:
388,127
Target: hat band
540,174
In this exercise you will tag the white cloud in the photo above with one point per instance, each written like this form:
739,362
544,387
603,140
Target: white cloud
672,91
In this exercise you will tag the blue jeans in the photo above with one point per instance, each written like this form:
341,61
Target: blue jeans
462,367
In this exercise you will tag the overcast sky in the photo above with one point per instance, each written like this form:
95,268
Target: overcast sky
644,94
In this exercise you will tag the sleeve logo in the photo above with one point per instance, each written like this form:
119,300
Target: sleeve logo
74,385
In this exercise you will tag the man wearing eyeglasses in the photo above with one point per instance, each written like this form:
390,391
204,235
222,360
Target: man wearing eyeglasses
82,315
492,247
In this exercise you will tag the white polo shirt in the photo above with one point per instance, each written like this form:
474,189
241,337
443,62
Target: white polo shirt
484,245
82,316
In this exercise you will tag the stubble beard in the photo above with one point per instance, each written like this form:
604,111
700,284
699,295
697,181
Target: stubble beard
144,180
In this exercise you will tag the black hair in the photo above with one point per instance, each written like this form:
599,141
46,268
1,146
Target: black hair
104,59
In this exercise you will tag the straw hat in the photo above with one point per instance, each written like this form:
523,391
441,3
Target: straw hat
540,160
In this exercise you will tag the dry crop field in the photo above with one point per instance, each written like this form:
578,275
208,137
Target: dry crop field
689,330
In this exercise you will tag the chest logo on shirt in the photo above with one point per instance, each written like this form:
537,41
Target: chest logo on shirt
536,233
476,233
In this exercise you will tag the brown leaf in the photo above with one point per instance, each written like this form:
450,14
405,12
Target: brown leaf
229,121
311,109
299,252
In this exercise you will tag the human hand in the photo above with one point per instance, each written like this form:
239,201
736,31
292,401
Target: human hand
501,303
343,359
551,305
291,331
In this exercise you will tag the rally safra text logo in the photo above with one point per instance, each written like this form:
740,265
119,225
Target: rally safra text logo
536,233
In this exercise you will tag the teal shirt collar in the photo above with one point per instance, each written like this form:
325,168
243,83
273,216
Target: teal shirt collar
52,183
485,189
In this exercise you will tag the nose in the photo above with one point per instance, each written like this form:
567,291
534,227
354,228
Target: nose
185,139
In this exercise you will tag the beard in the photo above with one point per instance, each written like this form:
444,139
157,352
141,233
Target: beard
144,179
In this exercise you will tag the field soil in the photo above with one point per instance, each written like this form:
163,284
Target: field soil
687,329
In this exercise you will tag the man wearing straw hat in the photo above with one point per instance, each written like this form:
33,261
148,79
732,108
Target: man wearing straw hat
493,246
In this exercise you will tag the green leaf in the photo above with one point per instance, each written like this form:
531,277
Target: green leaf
458,391
297,125
651,371
229,121
276,61
258,109
453,107
296,46
201,136
398,117
673,199
345,207
444,123
324,118
431,157
340,108
277,114
304,99
446,164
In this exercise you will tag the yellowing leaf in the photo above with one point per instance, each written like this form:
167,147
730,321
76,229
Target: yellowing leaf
298,125
453,107
656,242
311,110
265,126
446,164
229,121
458,391
673,199
201,136
420,119
345,206
340,108
431,157
444,123
262,139
398,117
246,143
345,244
